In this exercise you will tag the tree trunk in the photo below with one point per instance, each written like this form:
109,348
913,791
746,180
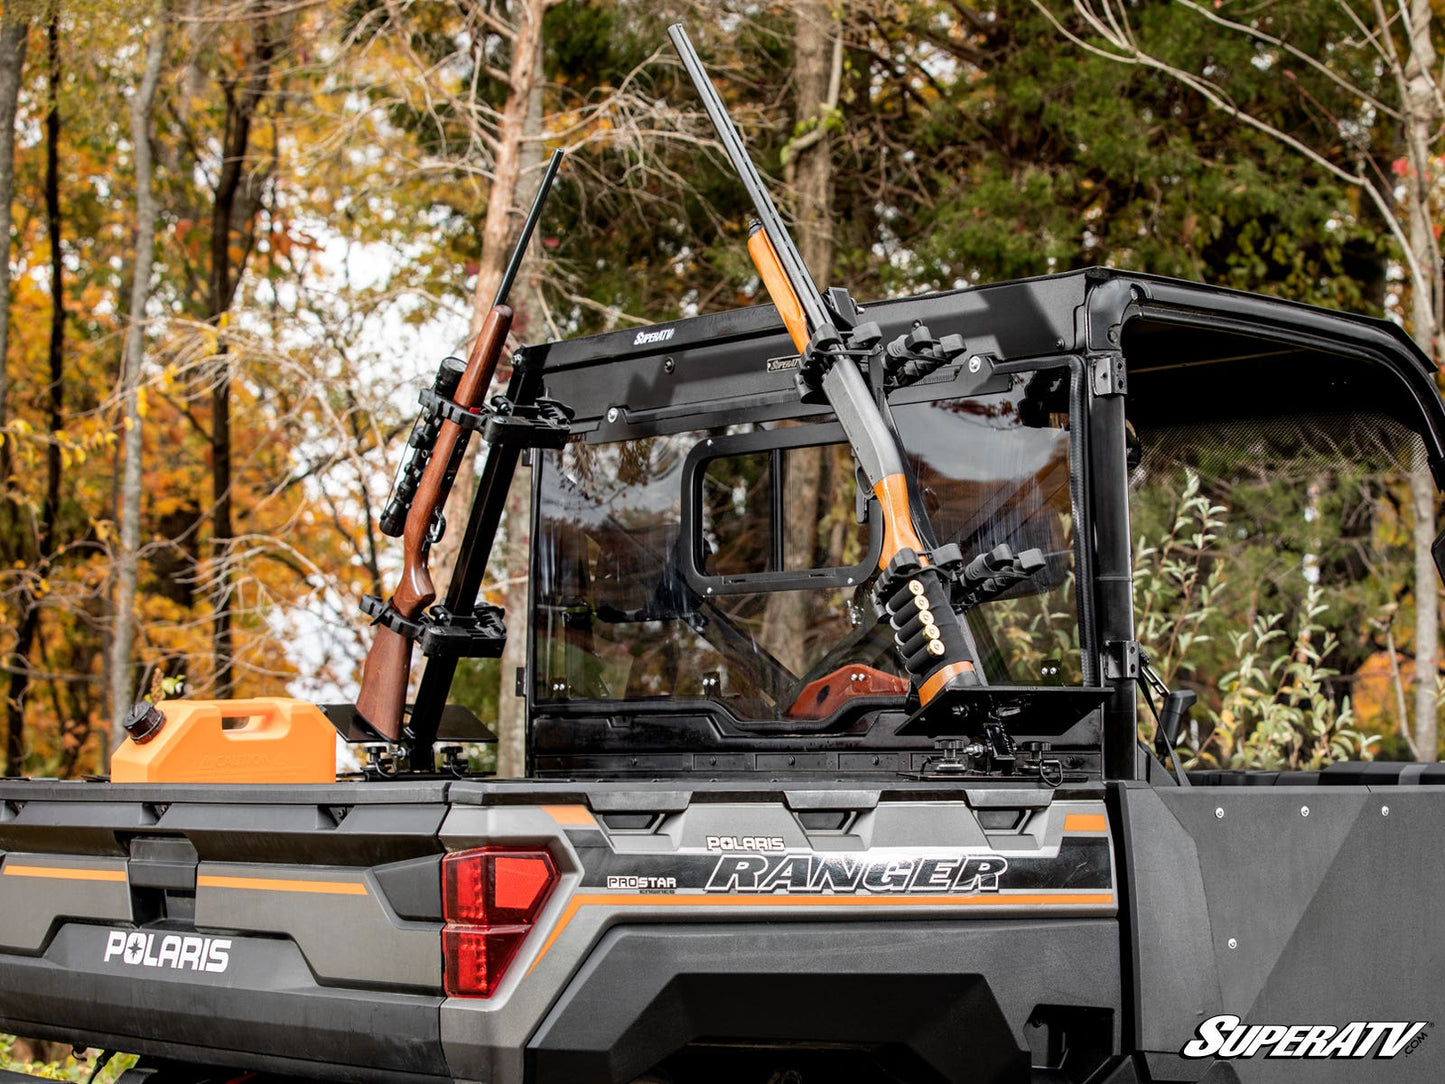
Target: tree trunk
517,553
1427,615
818,45
13,36
28,625
123,632
234,205
498,237
1421,120
497,240
818,49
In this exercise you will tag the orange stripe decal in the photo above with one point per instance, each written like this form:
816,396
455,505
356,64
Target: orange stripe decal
274,884
1013,899
1086,822
575,815
66,873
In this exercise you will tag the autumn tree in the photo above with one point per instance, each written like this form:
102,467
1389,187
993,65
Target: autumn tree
128,513
1365,77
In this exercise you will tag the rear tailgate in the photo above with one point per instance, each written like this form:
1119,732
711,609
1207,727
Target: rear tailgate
291,928
767,912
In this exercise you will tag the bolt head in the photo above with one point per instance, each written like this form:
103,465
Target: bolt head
612,414
975,363
1234,943
1384,811
1304,811
1219,813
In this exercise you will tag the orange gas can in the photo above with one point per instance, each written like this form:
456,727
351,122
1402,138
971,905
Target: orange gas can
266,740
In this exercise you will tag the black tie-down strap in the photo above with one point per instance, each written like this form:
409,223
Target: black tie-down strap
443,634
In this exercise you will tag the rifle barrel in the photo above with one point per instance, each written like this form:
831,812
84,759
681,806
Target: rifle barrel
514,265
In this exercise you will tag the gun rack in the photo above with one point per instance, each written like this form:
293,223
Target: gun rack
480,634
459,626
1023,709
456,724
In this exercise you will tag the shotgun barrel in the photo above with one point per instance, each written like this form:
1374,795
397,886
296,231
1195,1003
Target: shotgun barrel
911,561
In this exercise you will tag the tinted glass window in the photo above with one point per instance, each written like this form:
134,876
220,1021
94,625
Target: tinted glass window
616,618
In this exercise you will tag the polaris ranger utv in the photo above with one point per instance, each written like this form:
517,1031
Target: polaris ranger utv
759,838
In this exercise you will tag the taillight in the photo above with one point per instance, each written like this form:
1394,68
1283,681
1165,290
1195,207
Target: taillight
490,898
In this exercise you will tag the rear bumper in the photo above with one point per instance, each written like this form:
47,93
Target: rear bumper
958,996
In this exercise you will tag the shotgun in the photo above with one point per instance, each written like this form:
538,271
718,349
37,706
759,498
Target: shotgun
918,580
438,442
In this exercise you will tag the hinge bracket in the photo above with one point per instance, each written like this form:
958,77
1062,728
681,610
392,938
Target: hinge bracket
1109,374
1121,660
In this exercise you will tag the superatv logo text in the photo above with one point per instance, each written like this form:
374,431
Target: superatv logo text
1226,1036
179,951
645,337
851,873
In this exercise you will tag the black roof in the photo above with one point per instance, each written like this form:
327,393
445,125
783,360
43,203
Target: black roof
657,376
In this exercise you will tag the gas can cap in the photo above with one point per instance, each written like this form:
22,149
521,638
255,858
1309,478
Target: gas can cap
144,722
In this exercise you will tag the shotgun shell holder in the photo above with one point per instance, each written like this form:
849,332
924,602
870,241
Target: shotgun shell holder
926,630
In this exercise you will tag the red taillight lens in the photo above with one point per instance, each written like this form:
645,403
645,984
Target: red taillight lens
490,898
475,958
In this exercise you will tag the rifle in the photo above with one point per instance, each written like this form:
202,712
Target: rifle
918,579
438,442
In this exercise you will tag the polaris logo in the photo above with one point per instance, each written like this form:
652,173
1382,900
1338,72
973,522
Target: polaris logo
645,337
746,843
1227,1036
178,951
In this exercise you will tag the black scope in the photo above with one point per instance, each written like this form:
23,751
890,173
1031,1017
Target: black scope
418,451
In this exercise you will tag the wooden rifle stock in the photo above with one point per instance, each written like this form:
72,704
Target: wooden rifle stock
387,670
